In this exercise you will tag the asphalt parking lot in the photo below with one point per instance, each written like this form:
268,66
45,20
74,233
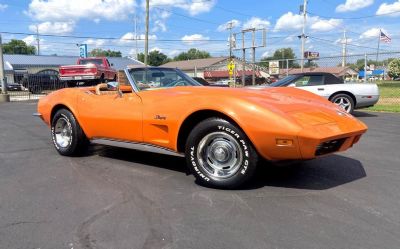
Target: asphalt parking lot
117,198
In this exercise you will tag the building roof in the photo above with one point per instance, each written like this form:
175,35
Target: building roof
20,60
338,71
192,64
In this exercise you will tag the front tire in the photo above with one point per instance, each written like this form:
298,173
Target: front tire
220,155
67,135
345,101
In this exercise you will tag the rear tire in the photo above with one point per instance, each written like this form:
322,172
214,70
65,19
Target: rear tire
67,135
220,155
345,101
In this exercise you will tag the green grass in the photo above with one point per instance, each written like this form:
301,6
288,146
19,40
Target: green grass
389,100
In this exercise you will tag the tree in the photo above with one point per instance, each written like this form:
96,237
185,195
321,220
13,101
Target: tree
18,47
394,68
310,63
281,54
192,54
155,58
98,52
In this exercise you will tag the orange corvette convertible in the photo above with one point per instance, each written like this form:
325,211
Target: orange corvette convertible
222,132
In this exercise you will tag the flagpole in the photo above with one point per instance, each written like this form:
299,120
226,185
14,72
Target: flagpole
379,44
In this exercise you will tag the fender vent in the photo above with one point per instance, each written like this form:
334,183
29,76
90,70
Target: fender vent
329,146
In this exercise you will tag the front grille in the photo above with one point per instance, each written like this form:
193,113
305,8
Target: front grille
329,146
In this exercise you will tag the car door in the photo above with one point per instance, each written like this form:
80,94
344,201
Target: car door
312,83
111,116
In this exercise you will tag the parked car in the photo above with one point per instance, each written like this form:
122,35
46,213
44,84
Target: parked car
349,96
41,81
222,132
15,87
91,71
201,81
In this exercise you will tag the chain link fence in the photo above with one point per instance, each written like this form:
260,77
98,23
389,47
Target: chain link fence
25,84
351,69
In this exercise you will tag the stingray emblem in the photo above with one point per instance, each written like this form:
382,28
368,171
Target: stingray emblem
159,117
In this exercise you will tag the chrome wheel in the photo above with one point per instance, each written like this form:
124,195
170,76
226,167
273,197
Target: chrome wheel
344,103
219,155
63,132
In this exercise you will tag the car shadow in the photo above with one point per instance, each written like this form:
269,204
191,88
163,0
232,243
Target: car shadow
134,156
359,114
318,174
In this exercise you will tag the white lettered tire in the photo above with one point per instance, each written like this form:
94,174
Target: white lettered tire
67,135
220,155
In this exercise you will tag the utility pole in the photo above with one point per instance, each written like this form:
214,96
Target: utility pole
365,68
4,97
344,48
303,35
37,40
136,39
253,46
253,35
230,27
244,61
146,42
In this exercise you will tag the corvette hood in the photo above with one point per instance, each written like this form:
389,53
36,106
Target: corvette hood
283,99
301,106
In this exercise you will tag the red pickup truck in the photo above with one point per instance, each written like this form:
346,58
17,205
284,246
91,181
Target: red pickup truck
91,71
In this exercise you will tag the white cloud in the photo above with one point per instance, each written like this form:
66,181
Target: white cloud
290,21
194,7
30,40
353,5
95,42
225,26
73,10
265,54
372,33
190,39
53,27
129,38
3,6
156,49
342,40
326,25
173,53
386,8
256,22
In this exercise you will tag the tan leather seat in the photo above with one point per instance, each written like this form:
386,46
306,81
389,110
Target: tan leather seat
101,89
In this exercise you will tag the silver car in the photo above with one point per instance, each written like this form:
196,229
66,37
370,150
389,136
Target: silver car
349,96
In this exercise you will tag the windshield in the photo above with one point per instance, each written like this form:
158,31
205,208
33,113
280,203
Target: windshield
153,78
285,81
91,61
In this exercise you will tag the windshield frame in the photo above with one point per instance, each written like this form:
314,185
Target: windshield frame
178,72
284,81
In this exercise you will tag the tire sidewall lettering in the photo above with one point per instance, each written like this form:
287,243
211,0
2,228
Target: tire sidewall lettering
232,132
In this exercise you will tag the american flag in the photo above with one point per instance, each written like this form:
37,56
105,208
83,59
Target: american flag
383,37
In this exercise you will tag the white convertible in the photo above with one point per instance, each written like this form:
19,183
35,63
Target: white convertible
349,96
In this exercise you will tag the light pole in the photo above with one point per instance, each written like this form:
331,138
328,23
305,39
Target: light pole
4,97
146,42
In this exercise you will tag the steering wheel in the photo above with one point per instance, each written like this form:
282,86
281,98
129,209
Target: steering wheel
176,83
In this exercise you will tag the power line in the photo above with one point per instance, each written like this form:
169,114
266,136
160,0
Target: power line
355,18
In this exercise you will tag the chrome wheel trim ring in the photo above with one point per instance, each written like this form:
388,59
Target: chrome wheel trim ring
219,155
344,103
63,132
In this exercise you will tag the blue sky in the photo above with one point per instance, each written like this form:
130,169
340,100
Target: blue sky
177,25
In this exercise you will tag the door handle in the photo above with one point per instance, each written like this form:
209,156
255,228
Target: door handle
321,89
